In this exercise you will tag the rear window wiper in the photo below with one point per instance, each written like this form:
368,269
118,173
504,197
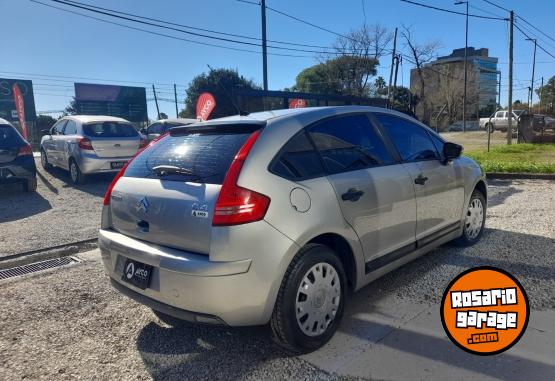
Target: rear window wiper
165,170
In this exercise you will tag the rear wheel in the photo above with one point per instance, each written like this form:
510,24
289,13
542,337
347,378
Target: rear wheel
77,177
474,220
44,160
310,301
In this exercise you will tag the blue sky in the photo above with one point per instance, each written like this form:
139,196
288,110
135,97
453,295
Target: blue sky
41,40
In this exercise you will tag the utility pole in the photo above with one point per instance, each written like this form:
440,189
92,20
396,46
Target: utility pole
175,97
541,96
510,129
465,62
156,101
389,94
531,104
398,58
264,48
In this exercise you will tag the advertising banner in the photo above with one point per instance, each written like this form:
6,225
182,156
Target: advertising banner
20,108
8,107
205,105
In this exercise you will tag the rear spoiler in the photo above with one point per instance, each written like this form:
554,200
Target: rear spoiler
228,127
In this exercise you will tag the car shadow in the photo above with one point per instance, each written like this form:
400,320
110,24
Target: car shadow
95,184
499,191
203,350
15,195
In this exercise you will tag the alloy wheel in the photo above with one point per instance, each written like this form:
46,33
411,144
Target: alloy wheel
318,298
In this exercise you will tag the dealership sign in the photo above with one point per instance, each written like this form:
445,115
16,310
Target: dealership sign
126,102
205,105
297,103
9,109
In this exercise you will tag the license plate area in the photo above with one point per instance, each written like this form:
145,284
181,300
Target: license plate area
117,164
137,273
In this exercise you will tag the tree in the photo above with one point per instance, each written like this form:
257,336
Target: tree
44,122
220,83
403,100
163,115
547,96
420,54
71,109
343,75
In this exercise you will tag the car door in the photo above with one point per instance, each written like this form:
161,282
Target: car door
64,141
438,185
51,144
501,121
374,191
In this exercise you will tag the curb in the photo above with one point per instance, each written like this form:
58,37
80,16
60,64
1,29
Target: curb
520,176
48,253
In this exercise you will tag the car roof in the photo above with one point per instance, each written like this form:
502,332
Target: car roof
95,118
4,121
177,120
315,112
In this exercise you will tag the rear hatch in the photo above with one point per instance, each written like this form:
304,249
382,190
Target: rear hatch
168,193
10,142
112,139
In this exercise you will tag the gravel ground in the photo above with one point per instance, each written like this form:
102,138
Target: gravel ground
58,213
70,324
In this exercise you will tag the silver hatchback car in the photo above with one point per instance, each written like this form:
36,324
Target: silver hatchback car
275,217
86,144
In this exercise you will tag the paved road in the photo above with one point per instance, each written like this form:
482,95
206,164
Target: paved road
70,324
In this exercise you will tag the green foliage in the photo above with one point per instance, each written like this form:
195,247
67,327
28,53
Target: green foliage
517,158
343,75
44,122
215,82
403,100
163,115
71,109
547,95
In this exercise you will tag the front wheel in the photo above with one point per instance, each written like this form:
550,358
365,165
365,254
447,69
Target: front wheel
310,301
474,220
44,160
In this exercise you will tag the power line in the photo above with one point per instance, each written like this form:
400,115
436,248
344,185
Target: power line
483,10
167,35
538,45
496,5
454,12
197,28
223,39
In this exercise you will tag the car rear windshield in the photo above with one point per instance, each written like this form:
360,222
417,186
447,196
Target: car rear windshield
199,158
109,130
9,137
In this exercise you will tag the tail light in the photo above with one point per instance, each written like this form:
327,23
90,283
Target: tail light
85,143
237,205
121,172
25,150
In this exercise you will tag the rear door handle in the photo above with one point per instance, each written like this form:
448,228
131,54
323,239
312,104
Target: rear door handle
420,180
352,194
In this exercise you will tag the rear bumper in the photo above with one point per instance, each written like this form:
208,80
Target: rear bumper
90,163
21,169
193,287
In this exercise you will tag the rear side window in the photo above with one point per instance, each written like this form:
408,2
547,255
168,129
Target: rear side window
71,128
411,140
200,158
109,130
349,143
9,137
297,160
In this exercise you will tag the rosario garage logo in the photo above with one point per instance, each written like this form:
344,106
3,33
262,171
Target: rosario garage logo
485,311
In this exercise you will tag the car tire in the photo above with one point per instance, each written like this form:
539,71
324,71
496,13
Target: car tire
475,220
30,185
169,320
44,161
316,266
77,177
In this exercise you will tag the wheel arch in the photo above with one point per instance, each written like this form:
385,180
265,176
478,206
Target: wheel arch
482,187
345,253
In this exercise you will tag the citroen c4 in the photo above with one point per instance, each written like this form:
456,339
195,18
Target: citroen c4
87,144
273,218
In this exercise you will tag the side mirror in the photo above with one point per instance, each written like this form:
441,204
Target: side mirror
451,151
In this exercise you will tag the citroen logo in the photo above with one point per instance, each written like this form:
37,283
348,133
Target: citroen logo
143,205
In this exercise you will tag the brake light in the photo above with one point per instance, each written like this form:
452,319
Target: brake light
85,143
237,205
119,175
25,150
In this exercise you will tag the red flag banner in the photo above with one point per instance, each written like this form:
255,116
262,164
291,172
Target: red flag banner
205,105
297,103
19,106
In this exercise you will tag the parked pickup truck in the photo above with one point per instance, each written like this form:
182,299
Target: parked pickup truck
500,121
